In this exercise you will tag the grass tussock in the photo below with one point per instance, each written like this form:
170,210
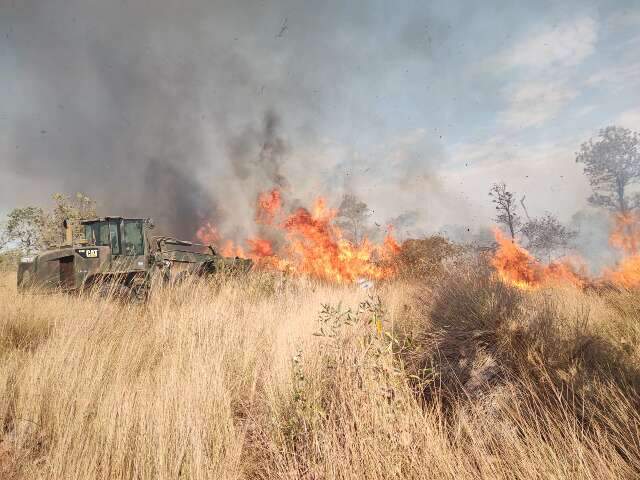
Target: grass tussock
9,260
265,377
427,258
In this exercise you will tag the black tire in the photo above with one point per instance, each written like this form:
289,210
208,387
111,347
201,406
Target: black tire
180,278
112,291
139,293
25,281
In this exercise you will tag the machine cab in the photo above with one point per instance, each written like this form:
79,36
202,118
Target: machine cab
125,236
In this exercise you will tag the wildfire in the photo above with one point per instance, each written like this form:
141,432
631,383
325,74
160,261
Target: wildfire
230,249
260,247
626,233
627,273
391,246
625,236
208,234
308,242
318,248
515,265
269,205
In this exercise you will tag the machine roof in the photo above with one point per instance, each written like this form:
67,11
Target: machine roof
104,219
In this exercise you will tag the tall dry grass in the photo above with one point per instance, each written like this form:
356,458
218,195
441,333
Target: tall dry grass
263,377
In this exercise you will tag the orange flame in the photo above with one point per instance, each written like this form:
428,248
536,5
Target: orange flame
312,244
625,236
230,249
626,273
260,247
391,246
318,249
626,233
208,234
269,205
516,266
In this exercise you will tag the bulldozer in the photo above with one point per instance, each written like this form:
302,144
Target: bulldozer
119,254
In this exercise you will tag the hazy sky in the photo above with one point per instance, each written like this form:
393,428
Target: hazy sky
159,107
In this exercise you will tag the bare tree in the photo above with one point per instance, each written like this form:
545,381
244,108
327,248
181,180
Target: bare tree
506,208
352,217
546,235
612,163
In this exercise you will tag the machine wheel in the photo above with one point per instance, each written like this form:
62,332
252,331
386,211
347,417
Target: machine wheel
112,290
25,281
180,277
139,290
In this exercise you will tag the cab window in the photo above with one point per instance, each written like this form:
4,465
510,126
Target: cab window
103,234
113,238
133,237
88,234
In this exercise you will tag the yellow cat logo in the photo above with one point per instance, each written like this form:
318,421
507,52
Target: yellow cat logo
89,252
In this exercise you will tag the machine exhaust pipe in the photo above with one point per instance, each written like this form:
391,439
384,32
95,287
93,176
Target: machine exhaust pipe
68,232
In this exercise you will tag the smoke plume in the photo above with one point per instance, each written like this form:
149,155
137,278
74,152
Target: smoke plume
184,111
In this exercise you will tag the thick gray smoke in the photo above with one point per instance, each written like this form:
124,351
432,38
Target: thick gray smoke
131,103
258,155
184,203
592,241
183,111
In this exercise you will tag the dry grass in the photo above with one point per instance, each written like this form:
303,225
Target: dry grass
267,378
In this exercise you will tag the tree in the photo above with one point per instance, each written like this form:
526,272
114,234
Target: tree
546,235
612,163
32,228
352,217
4,240
506,208
25,227
75,209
